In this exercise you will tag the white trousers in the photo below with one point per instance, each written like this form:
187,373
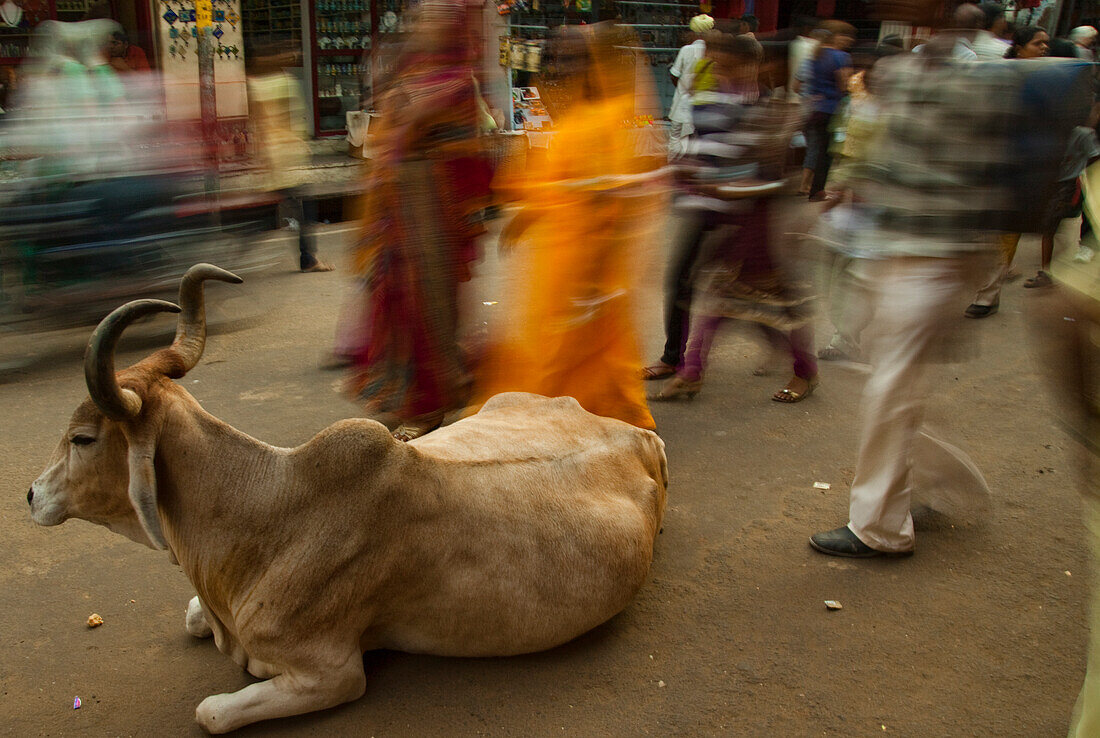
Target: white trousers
914,298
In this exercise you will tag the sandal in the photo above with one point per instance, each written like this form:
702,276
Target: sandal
417,427
679,388
1042,279
788,395
660,370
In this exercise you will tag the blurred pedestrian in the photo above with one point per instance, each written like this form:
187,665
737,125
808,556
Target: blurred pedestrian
802,48
738,151
844,219
279,126
1065,324
966,22
1084,38
830,68
427,183
988,44
577,243
683,72
943,128
1065,202
724,81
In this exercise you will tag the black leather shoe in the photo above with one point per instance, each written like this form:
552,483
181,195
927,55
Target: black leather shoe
843,542
980,311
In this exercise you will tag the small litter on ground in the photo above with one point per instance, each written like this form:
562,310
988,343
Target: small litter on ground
77,703
833,605
95,620
822,485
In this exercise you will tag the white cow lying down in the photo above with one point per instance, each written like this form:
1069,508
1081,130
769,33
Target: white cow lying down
514,530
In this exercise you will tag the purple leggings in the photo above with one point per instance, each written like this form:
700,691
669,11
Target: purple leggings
750,246
798,342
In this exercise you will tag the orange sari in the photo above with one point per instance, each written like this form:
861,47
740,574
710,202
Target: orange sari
569,329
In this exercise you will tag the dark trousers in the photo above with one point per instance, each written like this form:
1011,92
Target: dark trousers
679,282
295,205
818,138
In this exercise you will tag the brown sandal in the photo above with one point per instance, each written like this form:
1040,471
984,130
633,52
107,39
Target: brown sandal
1042,279
660,370
788,395
679,388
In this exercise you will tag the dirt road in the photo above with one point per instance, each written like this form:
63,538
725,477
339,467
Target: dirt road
981,633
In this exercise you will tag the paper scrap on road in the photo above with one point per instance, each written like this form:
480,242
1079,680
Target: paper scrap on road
822,485
833,605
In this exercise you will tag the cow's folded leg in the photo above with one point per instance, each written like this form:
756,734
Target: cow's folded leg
290,693
196,620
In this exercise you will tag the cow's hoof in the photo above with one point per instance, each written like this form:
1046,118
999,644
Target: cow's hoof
211,715
196,620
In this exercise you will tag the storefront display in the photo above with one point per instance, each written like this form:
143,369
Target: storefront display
659,27
341,37
266,22
18,19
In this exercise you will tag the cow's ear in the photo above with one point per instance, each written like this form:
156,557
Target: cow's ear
143,489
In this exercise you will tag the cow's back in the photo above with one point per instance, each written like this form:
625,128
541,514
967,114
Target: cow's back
544,529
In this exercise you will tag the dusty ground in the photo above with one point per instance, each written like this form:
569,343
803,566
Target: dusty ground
981,633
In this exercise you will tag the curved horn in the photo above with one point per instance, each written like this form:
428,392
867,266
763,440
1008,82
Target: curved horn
191,330
99,359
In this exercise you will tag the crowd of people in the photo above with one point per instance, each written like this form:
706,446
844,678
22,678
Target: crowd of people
923,164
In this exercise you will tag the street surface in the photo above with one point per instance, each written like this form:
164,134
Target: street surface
981,633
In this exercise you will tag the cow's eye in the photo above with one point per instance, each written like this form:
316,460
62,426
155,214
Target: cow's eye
81,440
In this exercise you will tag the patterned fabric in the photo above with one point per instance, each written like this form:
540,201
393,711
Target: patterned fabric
411,364
744,281
960,147
426,185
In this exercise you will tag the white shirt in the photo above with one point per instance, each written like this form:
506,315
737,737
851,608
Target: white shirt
683,69
988,47
961,51
801,49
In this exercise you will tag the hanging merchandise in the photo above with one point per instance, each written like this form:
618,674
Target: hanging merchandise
584,6
505,50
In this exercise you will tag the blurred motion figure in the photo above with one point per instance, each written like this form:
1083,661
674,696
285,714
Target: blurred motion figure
578,241
427,184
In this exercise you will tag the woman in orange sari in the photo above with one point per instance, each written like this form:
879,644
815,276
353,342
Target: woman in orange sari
577,242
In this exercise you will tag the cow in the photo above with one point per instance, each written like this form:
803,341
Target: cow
513,530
